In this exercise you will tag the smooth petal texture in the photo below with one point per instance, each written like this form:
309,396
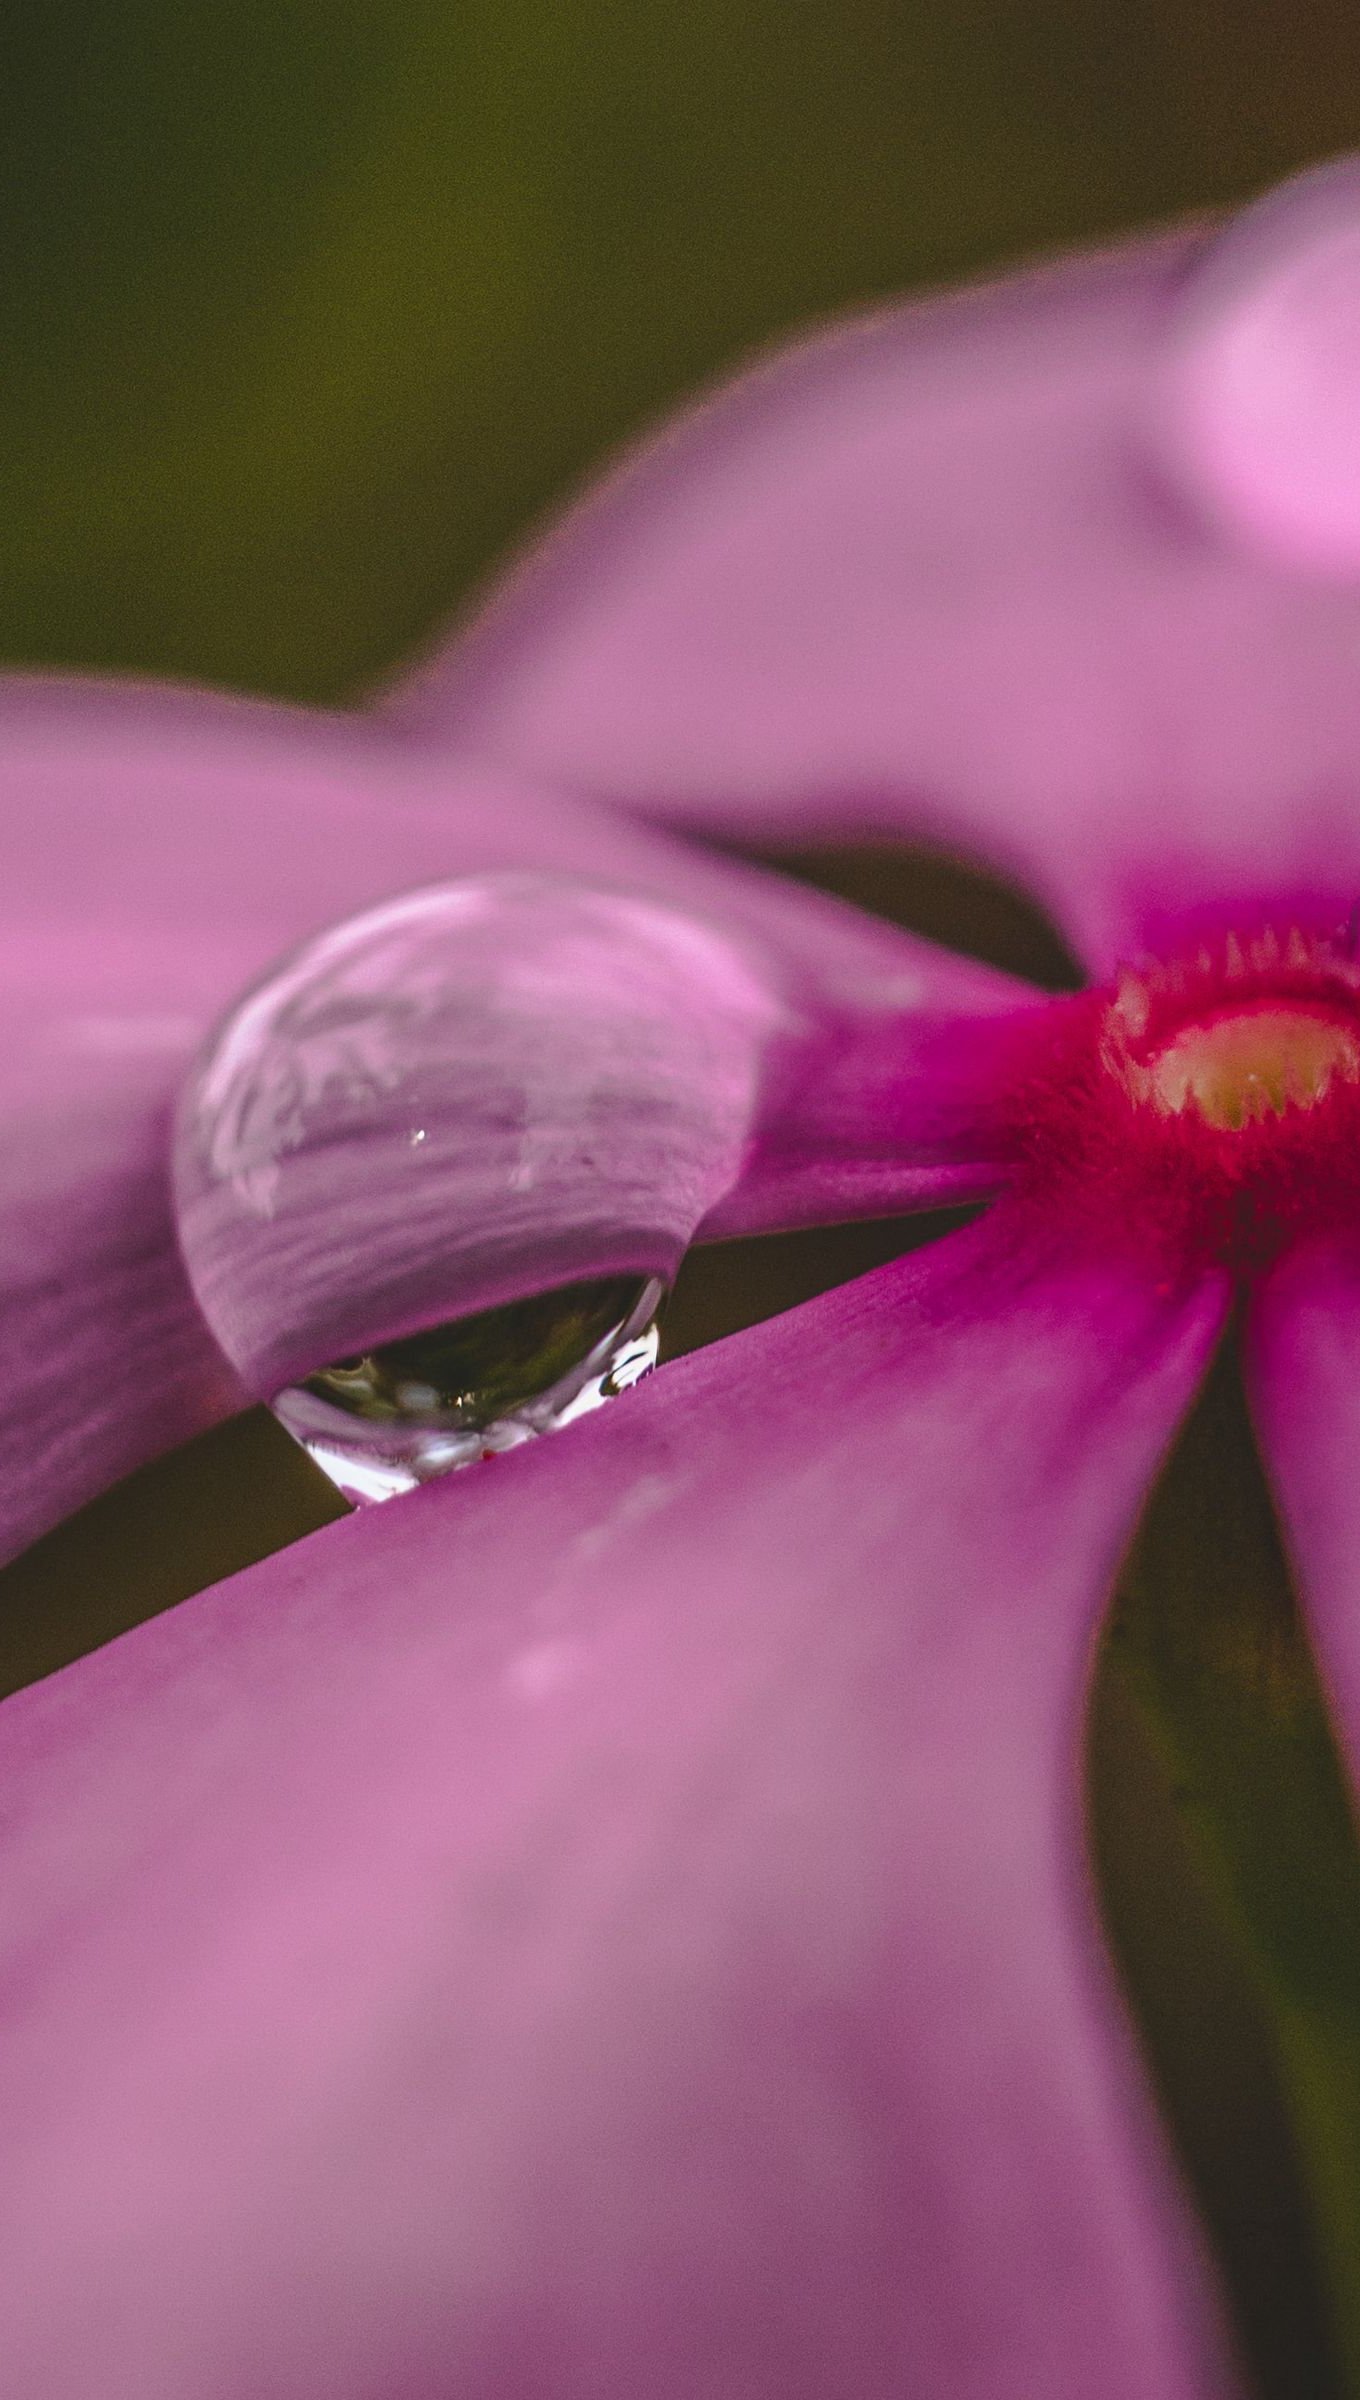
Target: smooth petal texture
1301,1359
1260,386
617,1922
162,848
950,573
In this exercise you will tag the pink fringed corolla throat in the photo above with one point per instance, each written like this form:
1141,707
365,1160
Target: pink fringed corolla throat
615,1921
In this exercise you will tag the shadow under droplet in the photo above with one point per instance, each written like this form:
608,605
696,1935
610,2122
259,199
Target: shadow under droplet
725,1286
221,1502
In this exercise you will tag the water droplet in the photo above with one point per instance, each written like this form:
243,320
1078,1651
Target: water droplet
436,1171
411,1410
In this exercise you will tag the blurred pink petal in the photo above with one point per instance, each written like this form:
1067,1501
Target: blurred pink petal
947,573
617,1922
1261,381
163,848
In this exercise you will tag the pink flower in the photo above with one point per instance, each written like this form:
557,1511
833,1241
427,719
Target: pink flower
616,1922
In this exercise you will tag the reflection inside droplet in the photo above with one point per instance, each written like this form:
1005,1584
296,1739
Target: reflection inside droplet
414,1409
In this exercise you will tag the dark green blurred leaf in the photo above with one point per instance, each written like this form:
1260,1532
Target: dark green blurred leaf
224,1500
311,305
1213,1760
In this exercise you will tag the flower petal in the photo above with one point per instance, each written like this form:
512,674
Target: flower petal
617,1922
1261,381
951,573
162,848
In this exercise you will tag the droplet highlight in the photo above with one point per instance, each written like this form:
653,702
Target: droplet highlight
409,1411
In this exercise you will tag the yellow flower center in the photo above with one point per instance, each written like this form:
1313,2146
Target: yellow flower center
1239,1068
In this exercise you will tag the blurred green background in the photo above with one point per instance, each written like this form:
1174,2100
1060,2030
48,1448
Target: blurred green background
311,307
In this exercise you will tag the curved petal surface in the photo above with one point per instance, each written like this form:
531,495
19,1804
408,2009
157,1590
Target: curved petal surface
617,1922
1260,383
952,573
160,849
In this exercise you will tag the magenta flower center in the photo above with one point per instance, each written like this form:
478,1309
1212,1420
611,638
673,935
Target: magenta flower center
1206,1104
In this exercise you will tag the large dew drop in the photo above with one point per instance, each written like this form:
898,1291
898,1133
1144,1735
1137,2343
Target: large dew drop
437,1171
